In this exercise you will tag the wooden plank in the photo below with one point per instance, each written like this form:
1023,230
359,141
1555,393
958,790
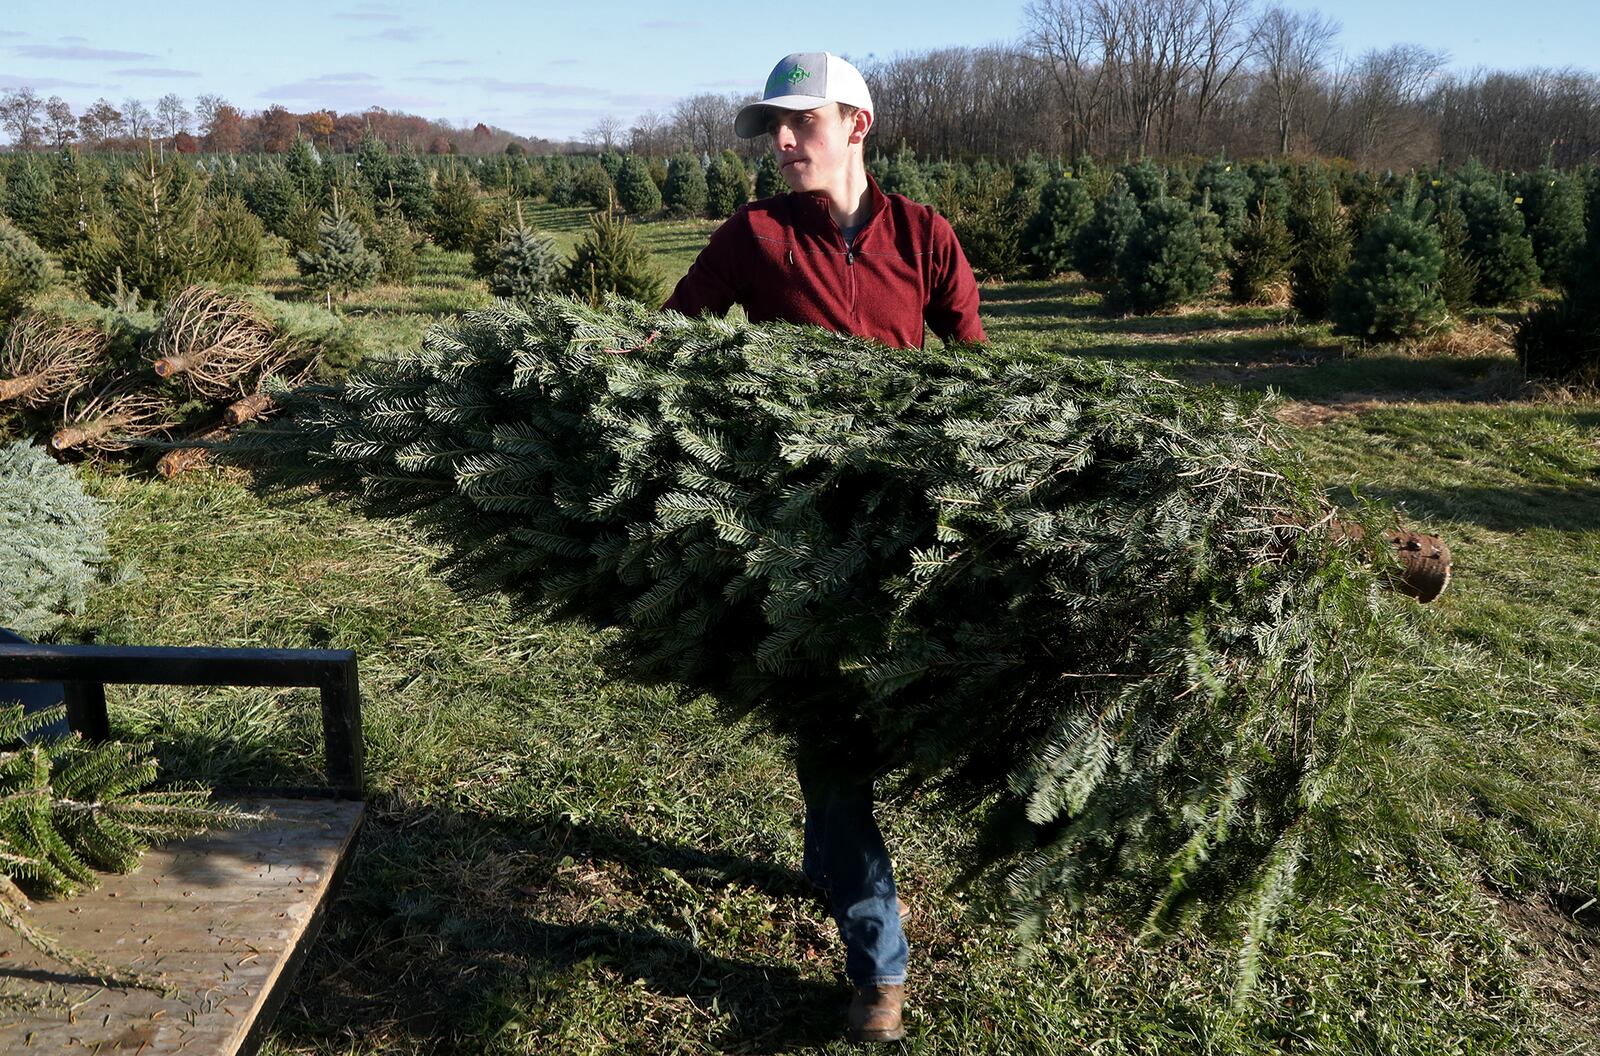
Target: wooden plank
224,919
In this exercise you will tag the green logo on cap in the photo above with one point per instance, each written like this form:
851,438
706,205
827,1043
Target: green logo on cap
792,78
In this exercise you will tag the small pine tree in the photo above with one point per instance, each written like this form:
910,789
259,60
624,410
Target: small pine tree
990,235
1163,263
152,243
1458,275
1145,181
901,175
611,260
685,192
395,243
1496,240
456,213
76,203
1028,179
342,263
235,235
305,168
374,164
24,270
271,195
611,162
1552,206
563,189
592,186
28,193
1261,254
526,263
71,808
769,181
637,193
1391,289
1101,240
1321,253
727,185
1229,188
409,183
1560,341
1047,241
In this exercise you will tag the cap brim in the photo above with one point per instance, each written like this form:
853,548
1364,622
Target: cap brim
752,120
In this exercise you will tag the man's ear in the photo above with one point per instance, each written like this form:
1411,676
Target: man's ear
860,124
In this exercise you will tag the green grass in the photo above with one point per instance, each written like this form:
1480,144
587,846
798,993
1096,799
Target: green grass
560,863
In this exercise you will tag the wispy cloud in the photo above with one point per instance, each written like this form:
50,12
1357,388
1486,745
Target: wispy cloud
7,34
8,82
346,91
155,71
443,62
370,13
77,53
731,82
599,96
394,35
72,40
564,62
669,23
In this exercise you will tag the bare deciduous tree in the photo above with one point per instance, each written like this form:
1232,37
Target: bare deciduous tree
19,116
136,118
1292,49
172,114
60,123
602,135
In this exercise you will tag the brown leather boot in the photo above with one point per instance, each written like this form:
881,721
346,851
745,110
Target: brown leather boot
875,1013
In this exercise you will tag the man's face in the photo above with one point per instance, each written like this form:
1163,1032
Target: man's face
812,146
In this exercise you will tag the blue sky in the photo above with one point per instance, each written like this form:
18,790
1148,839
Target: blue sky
551,69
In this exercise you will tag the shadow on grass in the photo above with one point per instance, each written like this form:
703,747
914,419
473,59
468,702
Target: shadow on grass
1565,509
406,955
451,923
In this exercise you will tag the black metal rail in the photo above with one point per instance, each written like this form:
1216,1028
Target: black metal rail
84,671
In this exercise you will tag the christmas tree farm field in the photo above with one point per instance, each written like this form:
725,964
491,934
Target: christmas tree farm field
562,862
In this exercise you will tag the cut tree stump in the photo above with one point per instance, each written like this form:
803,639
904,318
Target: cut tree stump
225,919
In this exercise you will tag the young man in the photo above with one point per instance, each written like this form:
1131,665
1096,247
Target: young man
841,254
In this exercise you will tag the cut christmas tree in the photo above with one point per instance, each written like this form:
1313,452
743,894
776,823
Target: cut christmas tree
1102,620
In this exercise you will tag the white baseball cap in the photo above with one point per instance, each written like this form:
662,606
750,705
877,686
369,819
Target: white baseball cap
804,81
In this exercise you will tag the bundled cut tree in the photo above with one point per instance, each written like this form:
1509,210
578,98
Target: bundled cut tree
115,416
1100,616
45,358
221,345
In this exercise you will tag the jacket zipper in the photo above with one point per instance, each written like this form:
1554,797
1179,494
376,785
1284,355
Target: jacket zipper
850,277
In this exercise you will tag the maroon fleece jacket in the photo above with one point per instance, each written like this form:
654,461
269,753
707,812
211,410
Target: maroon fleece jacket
784,258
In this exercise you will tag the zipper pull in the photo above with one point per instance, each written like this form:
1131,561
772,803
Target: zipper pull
849,256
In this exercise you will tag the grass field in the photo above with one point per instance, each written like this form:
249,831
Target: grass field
558,863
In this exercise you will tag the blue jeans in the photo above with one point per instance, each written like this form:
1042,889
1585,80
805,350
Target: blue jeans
845,856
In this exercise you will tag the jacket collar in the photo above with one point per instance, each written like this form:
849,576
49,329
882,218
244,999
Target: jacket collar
814,207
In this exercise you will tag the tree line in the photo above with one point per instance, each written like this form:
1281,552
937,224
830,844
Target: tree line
1118,79
215,126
